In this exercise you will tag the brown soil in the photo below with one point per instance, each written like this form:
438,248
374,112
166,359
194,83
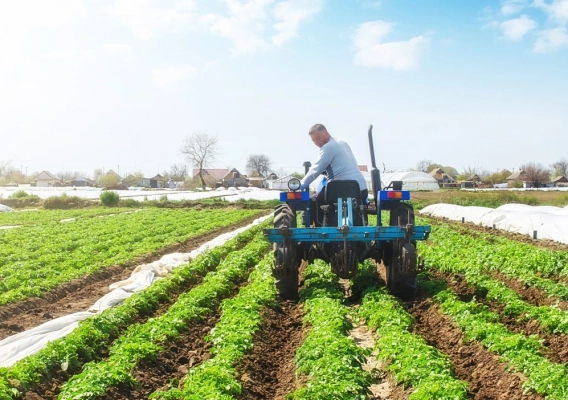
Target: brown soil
531,294
189,350
555,345
82,293
269,371
485,373
171,366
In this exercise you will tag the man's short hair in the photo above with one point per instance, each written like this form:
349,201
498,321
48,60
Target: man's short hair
317,128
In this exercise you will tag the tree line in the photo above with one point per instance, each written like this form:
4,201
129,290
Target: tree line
201,151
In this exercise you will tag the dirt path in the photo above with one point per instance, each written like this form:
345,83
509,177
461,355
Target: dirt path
82,293
384,387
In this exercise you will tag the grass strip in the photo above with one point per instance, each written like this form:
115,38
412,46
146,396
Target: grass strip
329,361
522,353
232,338
144,341
94,335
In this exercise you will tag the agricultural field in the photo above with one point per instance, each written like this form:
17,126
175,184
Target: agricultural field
489,321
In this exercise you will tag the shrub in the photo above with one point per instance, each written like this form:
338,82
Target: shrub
64,202
109,198
130,203
21,194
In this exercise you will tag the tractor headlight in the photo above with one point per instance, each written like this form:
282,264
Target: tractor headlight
294,184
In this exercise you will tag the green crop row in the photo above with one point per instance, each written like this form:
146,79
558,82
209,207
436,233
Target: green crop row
549,318
94,335
144,341
522,353
328,358
451,248
408,357
232,337
38,258
38,217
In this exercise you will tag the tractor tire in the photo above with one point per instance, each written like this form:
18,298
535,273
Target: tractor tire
401,258
286,260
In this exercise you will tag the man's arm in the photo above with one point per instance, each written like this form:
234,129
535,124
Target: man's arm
324,159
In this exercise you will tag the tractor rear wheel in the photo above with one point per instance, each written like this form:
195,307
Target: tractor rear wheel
400,258
286,260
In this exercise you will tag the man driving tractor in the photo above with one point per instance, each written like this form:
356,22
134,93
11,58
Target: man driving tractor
337,161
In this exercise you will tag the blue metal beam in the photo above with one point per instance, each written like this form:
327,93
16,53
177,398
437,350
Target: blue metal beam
354,233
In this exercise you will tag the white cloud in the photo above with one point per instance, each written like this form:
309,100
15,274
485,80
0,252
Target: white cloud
67,55
372,52
150,18
511,7
117,49
550,40
24,15
244,26
257,24
20,22
289,15
557,10
515,29
171,76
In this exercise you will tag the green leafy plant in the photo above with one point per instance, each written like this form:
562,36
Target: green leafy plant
109,198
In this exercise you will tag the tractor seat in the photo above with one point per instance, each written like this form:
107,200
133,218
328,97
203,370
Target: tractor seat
343,189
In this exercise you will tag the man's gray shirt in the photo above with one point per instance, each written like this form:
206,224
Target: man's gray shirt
338,160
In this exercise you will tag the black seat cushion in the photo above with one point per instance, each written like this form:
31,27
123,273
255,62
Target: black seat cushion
343,189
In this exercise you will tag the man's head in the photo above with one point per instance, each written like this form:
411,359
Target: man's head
319,135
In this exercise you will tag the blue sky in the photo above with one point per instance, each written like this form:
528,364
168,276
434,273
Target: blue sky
119,84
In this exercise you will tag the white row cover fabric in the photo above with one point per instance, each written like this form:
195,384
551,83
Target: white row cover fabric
4,208
23,344
548,222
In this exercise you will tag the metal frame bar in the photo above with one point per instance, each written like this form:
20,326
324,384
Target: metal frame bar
339,234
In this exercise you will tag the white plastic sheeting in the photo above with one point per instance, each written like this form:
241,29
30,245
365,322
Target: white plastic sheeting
23,344
4,208
547,221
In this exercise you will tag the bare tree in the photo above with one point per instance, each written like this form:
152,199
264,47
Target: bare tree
200,150
68,175
536,173
424,166
470,171
5,167
259,164
561,167
178,170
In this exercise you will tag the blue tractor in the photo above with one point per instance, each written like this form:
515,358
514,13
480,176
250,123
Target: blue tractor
343,238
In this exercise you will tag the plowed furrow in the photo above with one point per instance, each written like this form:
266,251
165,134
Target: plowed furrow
190,350
269,371
531,294
486,375
556,345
